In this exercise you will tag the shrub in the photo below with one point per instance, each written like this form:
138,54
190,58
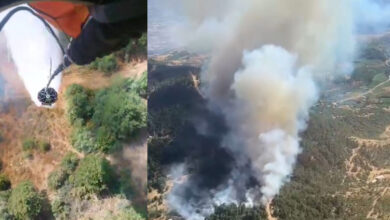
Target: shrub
73,90
4,212
25,202
138,86
57,207
106,141
57,179
84,140
128,213
107,64
60,209
44,146
143,85
5,183
116,113
70,162
78,103
29,144
123,113
142,41
93,175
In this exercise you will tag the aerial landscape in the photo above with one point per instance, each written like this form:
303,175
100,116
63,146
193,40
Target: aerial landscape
198,138
85,158
342,173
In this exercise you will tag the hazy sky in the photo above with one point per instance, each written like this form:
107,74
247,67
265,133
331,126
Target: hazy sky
160,27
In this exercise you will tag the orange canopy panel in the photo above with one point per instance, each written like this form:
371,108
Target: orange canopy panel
66,16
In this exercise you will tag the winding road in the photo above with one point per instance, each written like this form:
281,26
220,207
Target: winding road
361,95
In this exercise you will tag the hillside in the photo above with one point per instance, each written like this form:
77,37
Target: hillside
343,171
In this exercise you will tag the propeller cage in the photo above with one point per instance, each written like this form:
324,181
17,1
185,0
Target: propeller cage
47,96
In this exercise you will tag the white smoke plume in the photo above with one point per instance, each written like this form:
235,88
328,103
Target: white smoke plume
272,99
32,48
266,58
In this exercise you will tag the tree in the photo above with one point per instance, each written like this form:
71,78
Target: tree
138,86
116,113
60,209
84,140
123,113
57,178
240,212
93,175
136,48
70,162
78,103
4,212
106,140
108,64
25,202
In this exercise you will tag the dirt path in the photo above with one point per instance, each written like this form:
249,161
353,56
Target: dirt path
353,169
361,95
371,214
375,173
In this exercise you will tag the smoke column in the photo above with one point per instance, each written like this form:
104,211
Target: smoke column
270,107
267,59
32,48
